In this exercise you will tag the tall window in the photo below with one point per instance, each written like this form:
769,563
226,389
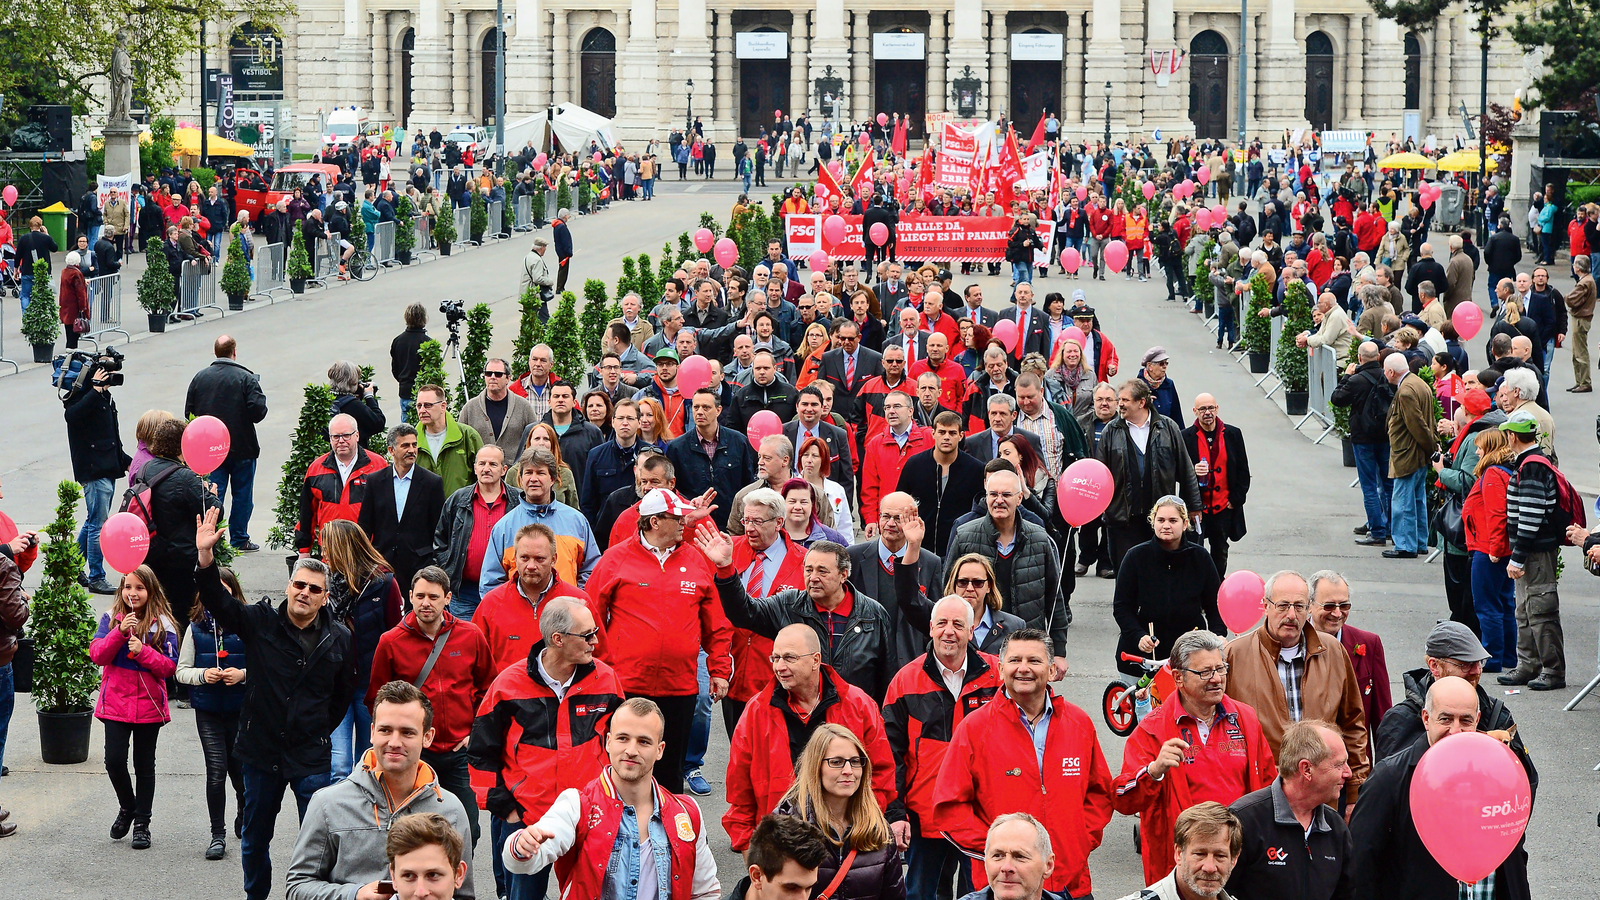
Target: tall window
598,79
1413,71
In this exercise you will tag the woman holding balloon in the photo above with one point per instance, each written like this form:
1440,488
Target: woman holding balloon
1165,586
178,497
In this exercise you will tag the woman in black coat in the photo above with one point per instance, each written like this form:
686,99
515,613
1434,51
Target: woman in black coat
1167,584
357,400
841,802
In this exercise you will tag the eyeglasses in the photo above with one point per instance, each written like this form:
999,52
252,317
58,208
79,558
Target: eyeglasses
750,521
972,582
592,635
488,374
1201,409
315,590
1288,607
787,659
1207,674
1002,495
341,436
839,762
424,404
1330,607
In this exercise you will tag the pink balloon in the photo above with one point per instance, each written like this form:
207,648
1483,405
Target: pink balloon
1082,192
833,228
1470,800
818,261
1239,600
879,233
540,160
1149,190
704,239
1071,259
1203,174
864,140
1188,187
9,195
597,156
1426,199
763,424
1084,491
727,252
205,444
1116,255
883,119
1218,215
1202,218
694,373
124,541
1073,333
1005,331
1468,319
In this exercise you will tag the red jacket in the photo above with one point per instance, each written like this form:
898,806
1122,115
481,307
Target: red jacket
581,871
752,664
1099,221
73,298
919,716
943,325
953,385
768,741
882,460
1236,748
1484,513
458,681
991,770
520,386
658,616
510,621
517,771
1369,230
323,498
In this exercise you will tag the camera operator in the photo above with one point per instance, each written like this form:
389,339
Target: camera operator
403,358
357,399
98,460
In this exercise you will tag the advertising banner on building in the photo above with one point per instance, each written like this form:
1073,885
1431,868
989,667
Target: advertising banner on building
941,238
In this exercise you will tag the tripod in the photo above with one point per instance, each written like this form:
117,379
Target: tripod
452,348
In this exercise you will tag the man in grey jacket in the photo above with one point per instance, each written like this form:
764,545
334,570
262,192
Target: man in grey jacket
340,855
498,414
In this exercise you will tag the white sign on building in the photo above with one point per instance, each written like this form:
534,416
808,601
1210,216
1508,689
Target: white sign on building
1036,46
761,45
898,45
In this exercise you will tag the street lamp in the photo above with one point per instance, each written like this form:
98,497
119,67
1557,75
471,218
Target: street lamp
1108,116
688,109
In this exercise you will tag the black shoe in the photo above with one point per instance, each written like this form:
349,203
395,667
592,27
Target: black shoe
1399,554
4,771
1514,678
1546,683
247,547
83,580
218,847
119,828
141,836
102,586
1371,541
1361,529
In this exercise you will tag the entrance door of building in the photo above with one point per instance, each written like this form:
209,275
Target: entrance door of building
763,88
902,87
1319,81
1035,89
1208,85
407,47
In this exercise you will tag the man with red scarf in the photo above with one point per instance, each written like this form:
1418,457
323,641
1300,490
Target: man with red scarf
1223,471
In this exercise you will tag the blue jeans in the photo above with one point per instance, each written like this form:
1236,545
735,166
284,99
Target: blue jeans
700,732
1408,516
1022,272
218,235
1494,600
931,863
97,505
1549,354
407,404
241,474
263,798
25,290
1227,328
747,182
465,601
1372,467
351,738
509,884
8,703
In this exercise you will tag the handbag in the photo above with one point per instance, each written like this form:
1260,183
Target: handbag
838,877
1447,520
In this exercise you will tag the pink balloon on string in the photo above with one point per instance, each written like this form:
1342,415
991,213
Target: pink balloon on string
9,195
1149,190
1084,491
883,119
763,425
1239,600
694,373
1470,801
1005,331
124,541
1073,333
864,140
597,156
726,253
205,444
879,233
1218,215
1071,259
1202,218
817,261
704,239
1426,199
833,228
1116,255
1203,174
1082,193
1468,319
1188,188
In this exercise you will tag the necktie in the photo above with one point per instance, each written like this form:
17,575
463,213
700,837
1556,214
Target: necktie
757,577
911,348
849,371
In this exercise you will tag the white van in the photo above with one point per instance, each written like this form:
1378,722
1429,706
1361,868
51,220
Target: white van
344,124
474,136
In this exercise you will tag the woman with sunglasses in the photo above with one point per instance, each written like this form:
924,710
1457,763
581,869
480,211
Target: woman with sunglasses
364,596
833,790
1166,586
972,579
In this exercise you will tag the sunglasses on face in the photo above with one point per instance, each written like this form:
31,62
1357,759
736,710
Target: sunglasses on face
315,590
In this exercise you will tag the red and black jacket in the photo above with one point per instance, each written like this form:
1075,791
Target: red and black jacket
919,718
323,498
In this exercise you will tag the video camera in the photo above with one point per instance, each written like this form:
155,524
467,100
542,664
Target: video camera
77,372
454,312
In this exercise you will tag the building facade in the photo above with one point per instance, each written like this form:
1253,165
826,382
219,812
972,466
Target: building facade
654,65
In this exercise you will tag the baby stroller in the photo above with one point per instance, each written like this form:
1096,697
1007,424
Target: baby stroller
10,272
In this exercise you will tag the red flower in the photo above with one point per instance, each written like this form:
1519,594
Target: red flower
222,654
1361,650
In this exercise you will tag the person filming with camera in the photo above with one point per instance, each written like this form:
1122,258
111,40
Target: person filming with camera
98,460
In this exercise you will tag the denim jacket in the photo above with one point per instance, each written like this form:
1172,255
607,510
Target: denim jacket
622,881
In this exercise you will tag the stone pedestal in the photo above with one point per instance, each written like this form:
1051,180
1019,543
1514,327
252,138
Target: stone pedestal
122,151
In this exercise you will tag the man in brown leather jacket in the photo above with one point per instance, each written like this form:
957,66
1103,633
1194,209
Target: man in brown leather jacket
13,614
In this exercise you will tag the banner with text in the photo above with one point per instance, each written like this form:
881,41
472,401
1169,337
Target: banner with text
953,238
957,149
105,186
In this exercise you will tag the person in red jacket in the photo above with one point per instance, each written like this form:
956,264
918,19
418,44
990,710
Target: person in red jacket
335,483
927,700
887,450
1198,745
508,616
449,660
953,385
1100,220
532,741
1369,230
1027,751
780,567
654,595
778,722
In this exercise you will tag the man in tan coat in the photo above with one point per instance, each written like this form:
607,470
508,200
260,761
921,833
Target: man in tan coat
1580,309
1458,276
1412,446
1288,671
1333,330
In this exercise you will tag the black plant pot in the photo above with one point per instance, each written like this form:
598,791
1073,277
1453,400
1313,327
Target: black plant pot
43,353
1349,452
1295,402
64,737
22,666
403,257
297,285
236,301
1259,362
444,248
158,322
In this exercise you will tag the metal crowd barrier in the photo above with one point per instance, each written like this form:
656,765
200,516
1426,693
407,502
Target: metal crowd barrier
6,360
270,276
424,240
324,262
550,207
197,290
1272,357
464,227
522,212
383,243
1322,376
106,314
497,218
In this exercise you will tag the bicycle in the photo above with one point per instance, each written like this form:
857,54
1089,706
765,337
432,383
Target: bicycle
1117,701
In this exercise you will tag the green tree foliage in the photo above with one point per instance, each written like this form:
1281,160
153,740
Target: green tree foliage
1256,333
60,619
1570,31
664,271
562,336
405,231
430,370
157,294
480,216
585,193
298,265
749,231
379,442
686,251
591,325
444,225
530,331
474,354
707,220
309,441
1292,363
1202,274
41,323
646,282
630,277
235,272
564,196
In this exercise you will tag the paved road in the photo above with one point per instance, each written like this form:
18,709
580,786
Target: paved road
1301,511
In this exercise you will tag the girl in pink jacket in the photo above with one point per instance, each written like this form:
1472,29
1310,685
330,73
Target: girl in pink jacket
136,648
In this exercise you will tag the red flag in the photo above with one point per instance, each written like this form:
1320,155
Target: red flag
1009,170
861,184
827,187
1038,134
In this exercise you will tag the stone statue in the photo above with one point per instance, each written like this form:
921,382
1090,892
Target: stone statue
121,76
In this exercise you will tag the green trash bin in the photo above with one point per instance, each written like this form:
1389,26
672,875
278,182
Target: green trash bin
55,222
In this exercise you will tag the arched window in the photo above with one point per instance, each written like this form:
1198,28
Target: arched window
1208,43
1319,80
1413,71
597,86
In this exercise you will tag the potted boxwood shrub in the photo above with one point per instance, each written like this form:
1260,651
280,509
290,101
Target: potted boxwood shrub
405,230
1255,332
480,216
157,293
298,265
444,229
1293,365
41,323
63,625
236,272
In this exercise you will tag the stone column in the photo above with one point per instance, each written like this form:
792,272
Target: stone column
1072,94
1385,70
966,47
1354,55
430,69
1440,113
527,61
640,113
799,47
460,69
1283,72
691,59
938,99
999,67
354,52
380,66
561,58
830,47
1105,59
860,68
727,111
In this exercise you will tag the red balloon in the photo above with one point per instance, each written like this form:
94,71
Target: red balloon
763,424
879,233
1468,319
727,252
1071,259
1005,331
1470,801
704,239
1239,600
1084,489
205,444
833,228
694,373
1116,255
124,541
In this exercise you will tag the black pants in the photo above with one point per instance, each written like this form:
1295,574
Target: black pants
1458,590
1094,549
72,338
563,268
732,711
1125,537
143,738
217,731
451,768
679,712
1214,534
